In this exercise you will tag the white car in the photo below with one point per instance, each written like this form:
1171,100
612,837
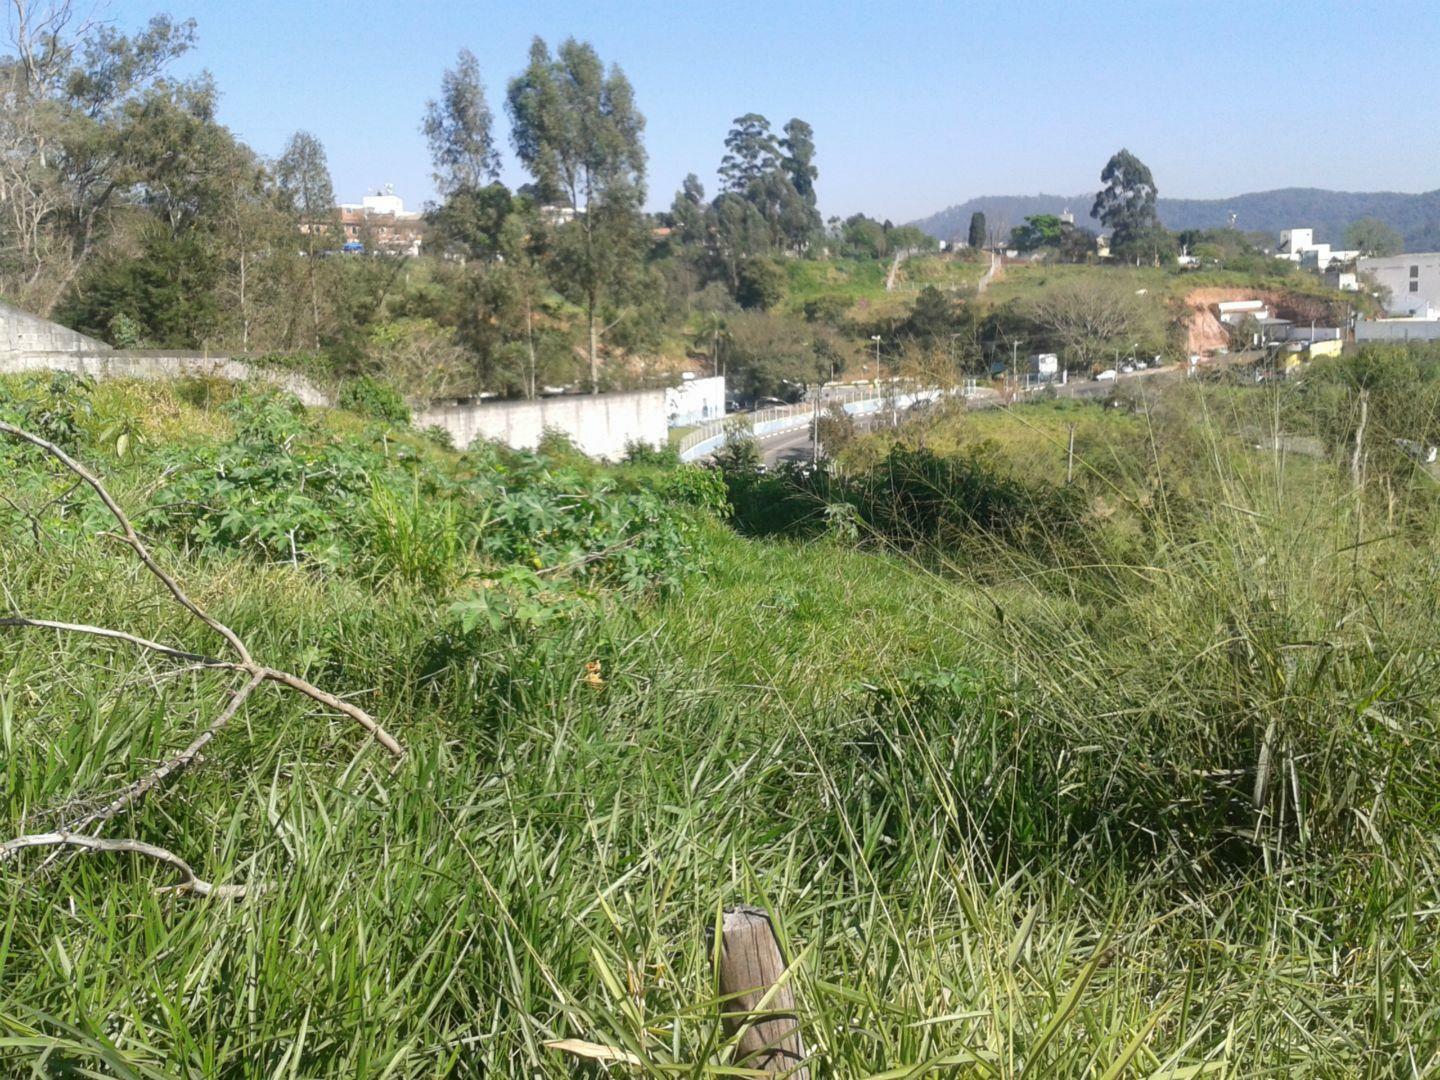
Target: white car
1108,375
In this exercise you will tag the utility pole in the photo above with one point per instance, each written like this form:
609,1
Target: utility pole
815,430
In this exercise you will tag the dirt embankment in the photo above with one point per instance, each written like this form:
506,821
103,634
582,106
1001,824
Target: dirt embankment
1204,332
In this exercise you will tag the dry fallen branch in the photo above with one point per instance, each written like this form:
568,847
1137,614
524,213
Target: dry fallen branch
130,536
193,882
72,836
133,793
245,663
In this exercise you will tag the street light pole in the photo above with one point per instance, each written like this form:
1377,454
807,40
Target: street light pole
815,430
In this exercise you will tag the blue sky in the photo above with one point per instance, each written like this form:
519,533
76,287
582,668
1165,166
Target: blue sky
915,105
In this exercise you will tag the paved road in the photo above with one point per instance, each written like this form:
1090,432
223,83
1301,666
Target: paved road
796,446
787,446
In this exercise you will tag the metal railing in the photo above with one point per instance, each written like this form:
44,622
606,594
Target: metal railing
711,435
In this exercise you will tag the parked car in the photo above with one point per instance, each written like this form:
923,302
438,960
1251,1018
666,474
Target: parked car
1108,375
769,403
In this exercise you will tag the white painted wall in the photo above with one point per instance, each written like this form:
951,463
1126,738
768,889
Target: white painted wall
695,401
599,424
1294,241
1398,273
1398,330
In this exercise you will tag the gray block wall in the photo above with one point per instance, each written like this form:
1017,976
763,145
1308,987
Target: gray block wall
22,332
137,364
601,424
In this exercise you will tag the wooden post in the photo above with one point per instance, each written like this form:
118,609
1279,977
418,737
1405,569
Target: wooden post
1070,458
748,965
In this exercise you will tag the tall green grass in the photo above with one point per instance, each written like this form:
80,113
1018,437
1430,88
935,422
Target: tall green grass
1018,815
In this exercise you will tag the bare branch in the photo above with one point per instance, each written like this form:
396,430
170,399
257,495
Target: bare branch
132,538
193,882
246,663
285,678
360,716
119,635
137,791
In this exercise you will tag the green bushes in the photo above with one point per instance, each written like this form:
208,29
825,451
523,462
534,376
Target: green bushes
282,487
914,498
372,398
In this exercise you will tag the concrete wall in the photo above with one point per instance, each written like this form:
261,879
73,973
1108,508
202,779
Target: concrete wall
695,401
599,424
136,364
22,332
1398,330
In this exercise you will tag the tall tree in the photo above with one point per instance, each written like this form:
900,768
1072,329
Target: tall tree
303,176
1126,204
521,247
1371,236
70,92
799,160
799,220
750,153
577,131
457,128
977,230
687,212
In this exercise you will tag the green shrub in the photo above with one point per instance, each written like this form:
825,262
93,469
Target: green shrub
638,452
374,399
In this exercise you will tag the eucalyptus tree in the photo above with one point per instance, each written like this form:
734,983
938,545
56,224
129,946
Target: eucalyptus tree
72,118
577,131
1126,204
303,176
751,152
458,129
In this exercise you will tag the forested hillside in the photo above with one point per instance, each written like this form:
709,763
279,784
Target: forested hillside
1415,217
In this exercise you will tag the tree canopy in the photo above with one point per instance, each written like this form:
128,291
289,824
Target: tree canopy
457,128
1126,202
1370,236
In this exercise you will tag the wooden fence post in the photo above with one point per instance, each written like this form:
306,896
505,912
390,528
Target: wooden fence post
748,965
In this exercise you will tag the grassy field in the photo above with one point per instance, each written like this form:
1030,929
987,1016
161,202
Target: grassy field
1026,282
1166,809
861,282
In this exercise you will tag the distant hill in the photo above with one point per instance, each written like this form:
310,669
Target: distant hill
1414,217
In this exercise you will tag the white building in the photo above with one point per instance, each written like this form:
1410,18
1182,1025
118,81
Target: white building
381,221
1412,281
1299,246
1044,366
1233,311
